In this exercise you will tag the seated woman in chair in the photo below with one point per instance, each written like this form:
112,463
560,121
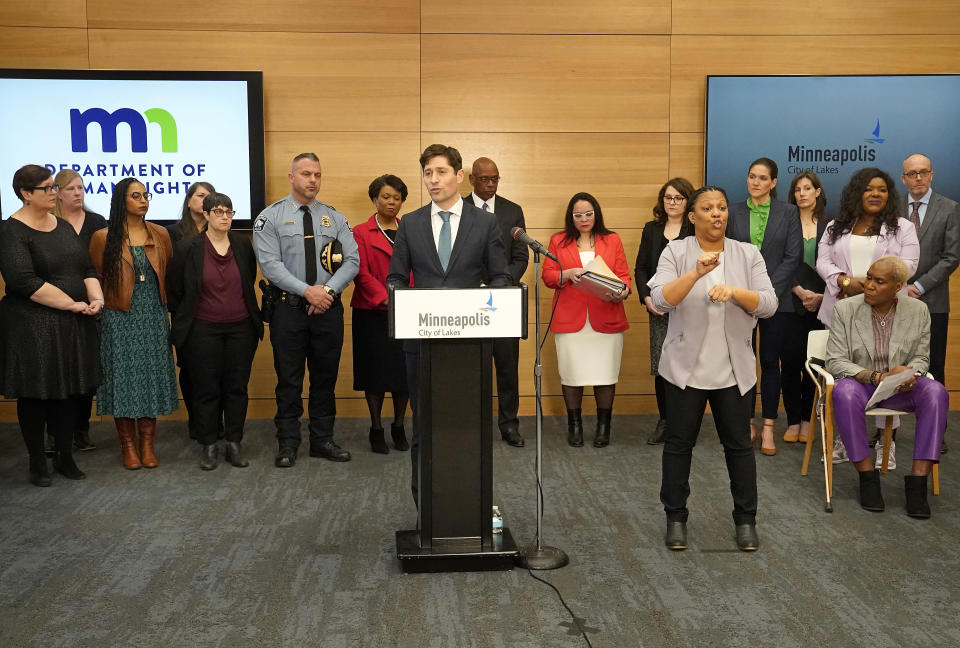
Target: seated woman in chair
874,335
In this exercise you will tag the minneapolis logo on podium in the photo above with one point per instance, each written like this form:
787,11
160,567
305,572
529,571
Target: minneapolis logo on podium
876,139
489,307
110,121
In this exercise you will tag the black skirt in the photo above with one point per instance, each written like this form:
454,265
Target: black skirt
378,364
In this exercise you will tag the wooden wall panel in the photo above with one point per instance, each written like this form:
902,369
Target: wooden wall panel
493,83
41,47
695,57
43,13
686,157
815,17
373,16
541,171
312,82
547,17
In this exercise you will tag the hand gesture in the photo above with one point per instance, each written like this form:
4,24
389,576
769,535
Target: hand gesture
721,293
707,262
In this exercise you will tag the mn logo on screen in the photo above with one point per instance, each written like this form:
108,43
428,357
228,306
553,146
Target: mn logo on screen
876,139
108,123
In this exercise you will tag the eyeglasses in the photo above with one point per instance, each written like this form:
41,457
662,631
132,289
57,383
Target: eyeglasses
583,216
488,179
916,175
46,188
136,195
676,200
222,212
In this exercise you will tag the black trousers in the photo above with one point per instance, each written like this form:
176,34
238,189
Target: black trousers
81,420
938,344
56,415
506,356
220,359
411,357
731,414
798,389
772,331
316,340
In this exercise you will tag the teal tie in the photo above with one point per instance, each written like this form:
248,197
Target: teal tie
443,247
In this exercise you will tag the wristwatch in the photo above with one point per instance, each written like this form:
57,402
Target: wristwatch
330,291
846,281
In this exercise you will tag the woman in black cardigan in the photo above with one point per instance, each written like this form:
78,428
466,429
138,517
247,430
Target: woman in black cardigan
216,326
668,224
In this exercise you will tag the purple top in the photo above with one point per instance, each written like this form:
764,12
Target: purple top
221,293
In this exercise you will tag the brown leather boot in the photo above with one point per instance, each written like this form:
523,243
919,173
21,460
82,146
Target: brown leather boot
147,427
126,430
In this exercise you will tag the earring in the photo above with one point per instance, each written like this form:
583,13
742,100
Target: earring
27,203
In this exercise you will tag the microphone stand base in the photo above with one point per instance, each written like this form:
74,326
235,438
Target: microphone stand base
543,558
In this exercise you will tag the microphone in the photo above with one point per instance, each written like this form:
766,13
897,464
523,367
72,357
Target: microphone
520,234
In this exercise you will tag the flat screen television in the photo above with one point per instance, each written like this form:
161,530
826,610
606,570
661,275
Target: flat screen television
168,129
833,125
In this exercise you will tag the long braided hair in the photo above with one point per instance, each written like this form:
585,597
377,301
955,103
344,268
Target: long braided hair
116,233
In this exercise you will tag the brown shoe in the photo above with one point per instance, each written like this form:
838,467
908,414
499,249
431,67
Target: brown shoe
126,430
147,427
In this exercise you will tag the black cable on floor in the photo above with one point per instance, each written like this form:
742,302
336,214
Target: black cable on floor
564,603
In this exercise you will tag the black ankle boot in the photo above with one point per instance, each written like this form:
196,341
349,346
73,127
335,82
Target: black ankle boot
602,440
377,444
916,490
871,498
399,437
656,437
81,440
39,475
574,428
234,455
209,457
64,464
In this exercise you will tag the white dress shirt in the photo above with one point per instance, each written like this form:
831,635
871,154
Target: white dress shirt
436,222
479,203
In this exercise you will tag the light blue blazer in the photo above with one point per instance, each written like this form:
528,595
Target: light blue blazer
744,268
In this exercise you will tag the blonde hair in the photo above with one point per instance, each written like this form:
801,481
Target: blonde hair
898,267
63,178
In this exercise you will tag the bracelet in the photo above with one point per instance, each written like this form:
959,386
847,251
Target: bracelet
875,378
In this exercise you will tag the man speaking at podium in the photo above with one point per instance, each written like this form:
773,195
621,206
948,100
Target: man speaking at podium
446,244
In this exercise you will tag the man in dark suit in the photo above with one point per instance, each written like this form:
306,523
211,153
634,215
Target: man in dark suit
937,221
485,178
446,244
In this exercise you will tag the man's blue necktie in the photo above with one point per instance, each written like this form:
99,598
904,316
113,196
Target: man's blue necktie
443,247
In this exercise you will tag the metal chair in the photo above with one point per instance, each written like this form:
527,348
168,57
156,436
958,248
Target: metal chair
823,409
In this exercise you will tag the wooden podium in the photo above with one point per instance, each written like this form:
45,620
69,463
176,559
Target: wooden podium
453,415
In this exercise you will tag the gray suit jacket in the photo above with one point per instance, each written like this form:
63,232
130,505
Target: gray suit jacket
687,328
782,247
939,250
851,346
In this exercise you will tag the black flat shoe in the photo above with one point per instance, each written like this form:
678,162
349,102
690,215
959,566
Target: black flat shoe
209,457
512,436
377,442
330,451
399,436
64,464
285,458
81,440
676,538
39,475
656,437
234,455
747,539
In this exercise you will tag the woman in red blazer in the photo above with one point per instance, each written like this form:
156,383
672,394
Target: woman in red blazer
378,365
588,330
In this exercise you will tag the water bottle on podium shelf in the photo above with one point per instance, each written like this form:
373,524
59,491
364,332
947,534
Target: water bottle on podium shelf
497,520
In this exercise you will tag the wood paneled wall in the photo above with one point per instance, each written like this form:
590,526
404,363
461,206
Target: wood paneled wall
606,97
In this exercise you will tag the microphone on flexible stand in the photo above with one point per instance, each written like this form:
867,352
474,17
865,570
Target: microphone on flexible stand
520,234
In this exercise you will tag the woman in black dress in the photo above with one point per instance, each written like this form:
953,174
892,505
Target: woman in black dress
70,207
50,350
667,225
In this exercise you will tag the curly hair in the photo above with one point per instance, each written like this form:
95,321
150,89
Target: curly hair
851,205
682,185
821,203
116,233
570,231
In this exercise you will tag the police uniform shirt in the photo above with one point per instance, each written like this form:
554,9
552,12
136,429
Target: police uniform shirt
278,241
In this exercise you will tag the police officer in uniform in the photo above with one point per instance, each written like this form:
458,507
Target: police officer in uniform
306,324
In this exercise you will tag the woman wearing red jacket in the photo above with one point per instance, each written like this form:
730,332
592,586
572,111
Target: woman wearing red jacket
378,365
588,330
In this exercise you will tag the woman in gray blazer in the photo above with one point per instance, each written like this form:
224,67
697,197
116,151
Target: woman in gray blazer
714,288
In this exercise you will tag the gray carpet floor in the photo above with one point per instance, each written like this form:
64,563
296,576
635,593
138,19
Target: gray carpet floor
305,557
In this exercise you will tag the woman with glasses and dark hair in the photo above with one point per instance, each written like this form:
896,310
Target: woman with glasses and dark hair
714,288
49,350
378,364
806,192
71,208
138,385
773,227
669,223
587,330
217,325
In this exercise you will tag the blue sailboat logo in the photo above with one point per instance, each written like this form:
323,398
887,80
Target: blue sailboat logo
489,307
876,139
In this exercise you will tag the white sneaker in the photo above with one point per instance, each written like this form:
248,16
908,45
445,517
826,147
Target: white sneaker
839,452
892,462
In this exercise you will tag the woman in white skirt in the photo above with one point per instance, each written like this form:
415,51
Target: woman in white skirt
588,330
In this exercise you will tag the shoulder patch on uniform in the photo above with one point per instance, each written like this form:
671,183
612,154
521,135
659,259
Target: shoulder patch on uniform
323,204
259,223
